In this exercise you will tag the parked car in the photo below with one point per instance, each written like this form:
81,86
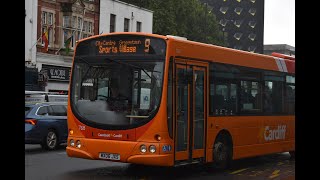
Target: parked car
46,124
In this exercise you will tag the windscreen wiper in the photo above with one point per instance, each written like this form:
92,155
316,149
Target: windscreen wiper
83,60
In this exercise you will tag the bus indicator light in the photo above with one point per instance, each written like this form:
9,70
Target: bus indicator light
157,137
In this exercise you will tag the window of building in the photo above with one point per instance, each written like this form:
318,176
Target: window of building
79,22
223,22
112,23
126,25
50,19
252,11
237,36
252,24
85,26
238,10
238,23
138,26
44,17
252,36
90,27
66,21
72,26
47,20
224,10
74,21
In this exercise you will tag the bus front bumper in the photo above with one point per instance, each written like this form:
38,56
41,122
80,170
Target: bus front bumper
129,152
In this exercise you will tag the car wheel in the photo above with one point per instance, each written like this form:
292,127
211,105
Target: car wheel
50,141
222,154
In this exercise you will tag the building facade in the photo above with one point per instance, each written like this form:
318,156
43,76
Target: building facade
63,21
31,14
52,28
241,21
118,16
54,23
31,72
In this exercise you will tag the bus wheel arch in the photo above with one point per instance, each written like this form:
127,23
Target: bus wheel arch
223,150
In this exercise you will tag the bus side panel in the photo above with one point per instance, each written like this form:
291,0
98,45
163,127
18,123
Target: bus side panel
263,149
253,135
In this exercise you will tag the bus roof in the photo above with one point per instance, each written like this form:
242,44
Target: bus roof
183,48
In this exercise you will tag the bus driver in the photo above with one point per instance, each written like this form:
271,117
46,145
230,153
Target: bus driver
116,101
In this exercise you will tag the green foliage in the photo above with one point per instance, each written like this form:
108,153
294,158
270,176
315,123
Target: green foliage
188,18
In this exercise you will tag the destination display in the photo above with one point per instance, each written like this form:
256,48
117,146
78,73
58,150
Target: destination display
121,45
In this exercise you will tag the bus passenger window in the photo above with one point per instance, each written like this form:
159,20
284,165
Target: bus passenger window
250,96
233,99
219,99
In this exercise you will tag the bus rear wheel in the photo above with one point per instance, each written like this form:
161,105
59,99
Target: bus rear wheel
222,154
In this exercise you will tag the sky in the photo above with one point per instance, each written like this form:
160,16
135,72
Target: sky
279,22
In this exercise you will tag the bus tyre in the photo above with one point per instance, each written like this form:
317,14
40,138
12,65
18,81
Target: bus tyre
292,154
221,155
50,141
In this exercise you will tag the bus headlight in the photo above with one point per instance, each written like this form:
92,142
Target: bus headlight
152,149
143,148
71,142
78,144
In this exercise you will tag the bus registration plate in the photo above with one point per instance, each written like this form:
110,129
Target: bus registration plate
109,156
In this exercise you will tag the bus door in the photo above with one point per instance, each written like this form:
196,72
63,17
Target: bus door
190,111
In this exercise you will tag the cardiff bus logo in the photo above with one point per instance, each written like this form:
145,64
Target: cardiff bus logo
269,134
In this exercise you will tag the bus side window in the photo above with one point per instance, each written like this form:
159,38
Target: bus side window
225,99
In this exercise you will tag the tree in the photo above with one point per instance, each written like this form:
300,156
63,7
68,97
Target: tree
187,18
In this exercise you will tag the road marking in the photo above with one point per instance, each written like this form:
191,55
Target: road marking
275,174
235,172
256,173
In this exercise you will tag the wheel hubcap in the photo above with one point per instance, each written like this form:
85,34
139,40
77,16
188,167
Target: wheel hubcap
222,153
51,139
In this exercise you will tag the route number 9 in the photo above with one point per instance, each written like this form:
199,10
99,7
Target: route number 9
146,45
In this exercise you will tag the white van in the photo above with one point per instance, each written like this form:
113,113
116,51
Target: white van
33,97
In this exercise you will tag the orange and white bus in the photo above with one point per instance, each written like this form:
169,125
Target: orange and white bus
182,101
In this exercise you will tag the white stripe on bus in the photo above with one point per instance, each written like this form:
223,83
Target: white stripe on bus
278,64
284,66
